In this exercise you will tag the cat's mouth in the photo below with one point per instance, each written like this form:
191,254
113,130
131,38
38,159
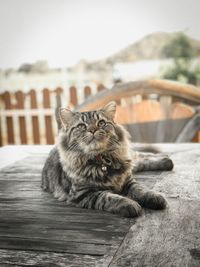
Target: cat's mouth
94,144
95,137
94,148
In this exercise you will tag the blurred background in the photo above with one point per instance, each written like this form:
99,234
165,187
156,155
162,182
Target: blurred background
143,54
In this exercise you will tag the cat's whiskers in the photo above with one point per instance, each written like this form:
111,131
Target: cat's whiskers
73,146
113,142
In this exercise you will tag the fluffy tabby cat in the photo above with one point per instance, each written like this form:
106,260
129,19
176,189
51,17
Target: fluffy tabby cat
92,165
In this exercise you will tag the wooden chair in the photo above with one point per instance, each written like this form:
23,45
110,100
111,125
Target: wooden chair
153,110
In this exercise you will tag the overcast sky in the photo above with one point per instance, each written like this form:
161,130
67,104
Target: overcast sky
65,31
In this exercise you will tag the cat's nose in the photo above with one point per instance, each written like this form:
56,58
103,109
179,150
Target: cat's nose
92,129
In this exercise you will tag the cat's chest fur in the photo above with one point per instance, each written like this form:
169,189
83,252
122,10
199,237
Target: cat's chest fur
106,171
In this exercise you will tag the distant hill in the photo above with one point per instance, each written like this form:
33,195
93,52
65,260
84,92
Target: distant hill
149,47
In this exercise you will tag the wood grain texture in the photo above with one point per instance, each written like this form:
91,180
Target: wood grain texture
43,259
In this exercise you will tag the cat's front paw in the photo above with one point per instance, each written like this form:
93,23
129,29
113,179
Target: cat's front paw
154,201
166,164
130,209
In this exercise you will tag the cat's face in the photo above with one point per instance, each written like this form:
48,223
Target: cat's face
91,132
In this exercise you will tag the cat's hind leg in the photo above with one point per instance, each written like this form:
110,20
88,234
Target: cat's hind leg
152,162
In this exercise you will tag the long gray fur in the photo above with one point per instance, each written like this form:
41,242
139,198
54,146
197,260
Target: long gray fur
92,165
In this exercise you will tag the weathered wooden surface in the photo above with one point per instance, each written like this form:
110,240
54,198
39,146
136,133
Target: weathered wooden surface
170,238
37,230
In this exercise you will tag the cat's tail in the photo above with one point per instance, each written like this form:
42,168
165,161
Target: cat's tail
146,148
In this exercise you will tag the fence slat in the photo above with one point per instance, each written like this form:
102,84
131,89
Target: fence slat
19,95
73,99
48,119
100,87
87,92
35,121
9,120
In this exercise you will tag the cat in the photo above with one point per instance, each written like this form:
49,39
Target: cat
93,165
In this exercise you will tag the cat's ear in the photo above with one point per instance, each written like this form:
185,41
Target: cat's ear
110,110
66,116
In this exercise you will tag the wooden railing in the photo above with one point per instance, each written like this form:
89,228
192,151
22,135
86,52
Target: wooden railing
28,118
154,110
173,100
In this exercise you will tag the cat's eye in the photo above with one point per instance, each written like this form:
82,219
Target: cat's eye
101,123
81,126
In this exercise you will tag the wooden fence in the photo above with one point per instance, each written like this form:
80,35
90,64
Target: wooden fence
152,111
28,118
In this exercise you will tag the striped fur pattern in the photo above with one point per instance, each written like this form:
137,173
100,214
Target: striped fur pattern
92,165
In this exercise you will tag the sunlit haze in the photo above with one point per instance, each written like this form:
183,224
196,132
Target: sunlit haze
65,31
